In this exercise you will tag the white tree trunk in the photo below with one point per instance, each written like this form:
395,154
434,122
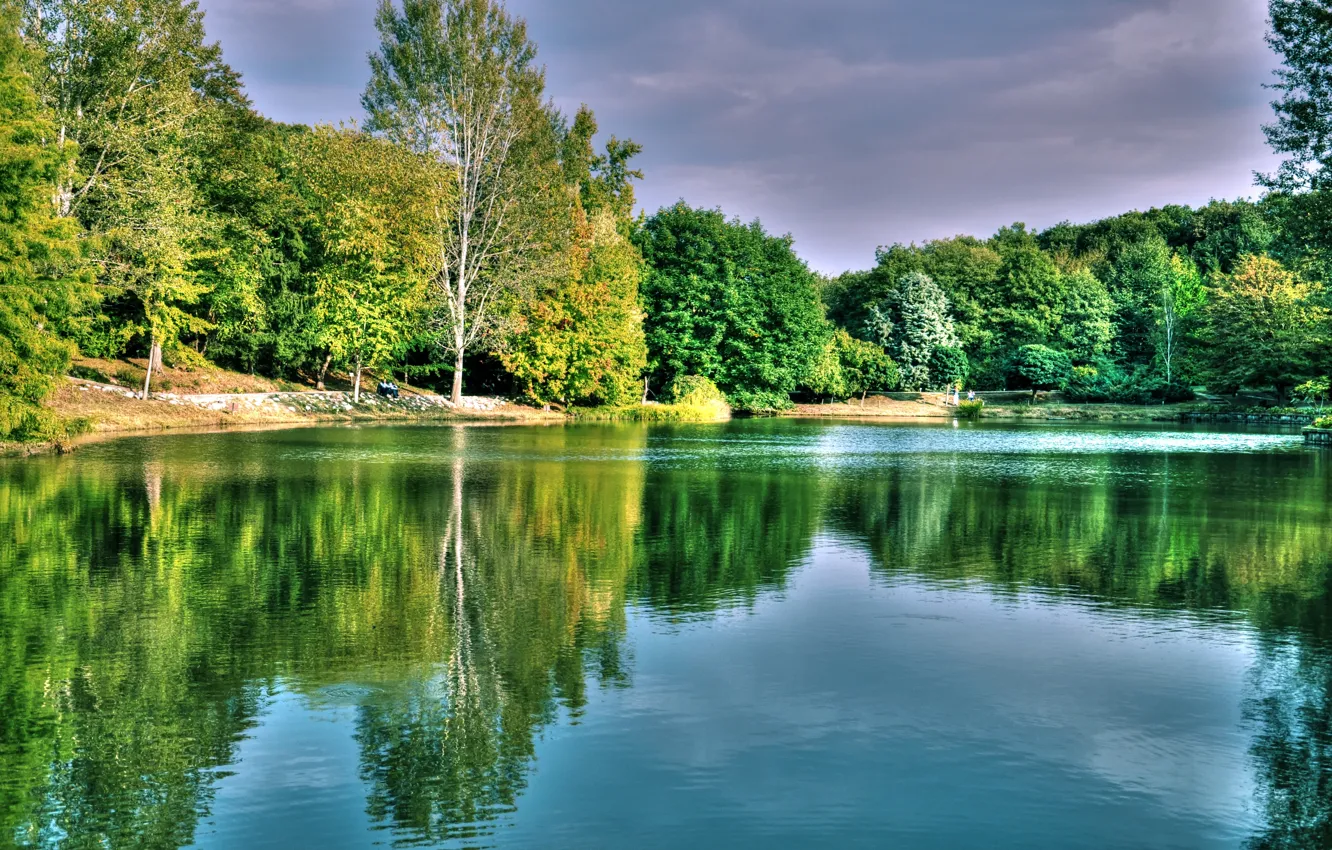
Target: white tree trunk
356,385
154,361
458,379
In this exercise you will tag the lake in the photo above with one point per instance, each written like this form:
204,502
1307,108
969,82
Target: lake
769,633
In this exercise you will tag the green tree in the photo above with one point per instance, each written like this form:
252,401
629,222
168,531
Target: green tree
583,340
1263,326
866,367
372,218
130,85
1301,34
1025,307
826,377
1181,297
38,257
260,279
849,367
1087,329
726,301
457,80
949,367
1218,235
851,297
967,269
912,323
153,238
112,73
579,338
1303,239
601,182
1315,392
1135,281
1041,368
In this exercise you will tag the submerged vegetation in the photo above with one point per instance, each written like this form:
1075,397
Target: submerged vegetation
473,238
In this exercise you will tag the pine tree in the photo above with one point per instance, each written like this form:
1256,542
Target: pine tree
912,323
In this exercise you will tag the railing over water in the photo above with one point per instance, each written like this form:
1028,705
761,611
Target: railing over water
1250,418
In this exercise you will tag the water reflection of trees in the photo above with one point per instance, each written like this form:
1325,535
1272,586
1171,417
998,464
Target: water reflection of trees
147,609
144,615
1130,537
1264,548
712,540
1290,708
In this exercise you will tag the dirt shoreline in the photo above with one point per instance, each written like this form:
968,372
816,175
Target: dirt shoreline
113,411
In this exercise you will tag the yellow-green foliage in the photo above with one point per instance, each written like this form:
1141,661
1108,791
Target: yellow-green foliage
971,409
693,399
654,413
696,391
582,341
35,250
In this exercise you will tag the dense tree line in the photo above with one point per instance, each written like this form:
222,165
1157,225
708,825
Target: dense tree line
1140,306
471,236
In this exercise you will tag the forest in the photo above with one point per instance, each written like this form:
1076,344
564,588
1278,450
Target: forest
470,237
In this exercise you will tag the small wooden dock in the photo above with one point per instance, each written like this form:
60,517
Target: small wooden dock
1318,436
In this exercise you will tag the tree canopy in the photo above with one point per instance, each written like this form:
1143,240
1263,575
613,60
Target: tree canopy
726,301
476,239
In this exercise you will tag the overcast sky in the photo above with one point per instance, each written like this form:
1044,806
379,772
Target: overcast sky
857,123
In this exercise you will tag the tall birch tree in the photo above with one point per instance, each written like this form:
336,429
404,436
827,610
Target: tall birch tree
456,80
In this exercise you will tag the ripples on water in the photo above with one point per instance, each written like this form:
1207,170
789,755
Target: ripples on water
768,633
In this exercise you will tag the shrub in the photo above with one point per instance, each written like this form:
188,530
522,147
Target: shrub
1325,422
1106,382
651,413
971,409
696,390
26,423
1315,392
88,373
760,401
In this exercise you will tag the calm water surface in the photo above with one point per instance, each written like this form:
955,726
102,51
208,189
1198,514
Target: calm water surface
763,634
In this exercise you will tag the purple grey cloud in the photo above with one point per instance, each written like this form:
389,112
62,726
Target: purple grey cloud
855,123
